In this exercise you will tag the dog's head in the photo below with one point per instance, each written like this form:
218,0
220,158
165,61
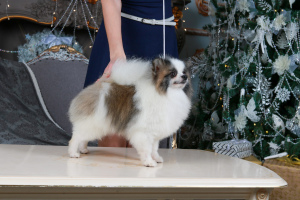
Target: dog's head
170,73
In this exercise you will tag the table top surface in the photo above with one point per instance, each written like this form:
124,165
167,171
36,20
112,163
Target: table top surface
28,165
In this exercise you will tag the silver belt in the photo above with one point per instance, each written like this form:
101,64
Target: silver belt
168,21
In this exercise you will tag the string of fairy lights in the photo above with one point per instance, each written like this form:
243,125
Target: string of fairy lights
71,9
260,136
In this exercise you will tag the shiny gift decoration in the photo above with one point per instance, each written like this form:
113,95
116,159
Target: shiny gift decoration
41,41
234,148
53,40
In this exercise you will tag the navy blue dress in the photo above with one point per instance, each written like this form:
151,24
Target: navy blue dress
139,39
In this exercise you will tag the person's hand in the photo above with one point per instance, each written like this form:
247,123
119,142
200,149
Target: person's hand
108,69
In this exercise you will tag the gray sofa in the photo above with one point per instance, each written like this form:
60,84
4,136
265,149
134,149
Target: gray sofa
38,95
58,83
35,98
22,119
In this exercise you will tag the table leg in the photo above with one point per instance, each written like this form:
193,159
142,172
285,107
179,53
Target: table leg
261,194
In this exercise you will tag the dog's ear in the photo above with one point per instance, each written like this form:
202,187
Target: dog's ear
188,66
157,63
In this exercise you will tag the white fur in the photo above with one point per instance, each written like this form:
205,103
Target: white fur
159,115
128,72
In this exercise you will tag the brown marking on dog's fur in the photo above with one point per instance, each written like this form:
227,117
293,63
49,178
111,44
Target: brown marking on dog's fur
161,68
85,103
120,105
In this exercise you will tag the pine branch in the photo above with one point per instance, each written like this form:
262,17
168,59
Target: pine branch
264,5
282,42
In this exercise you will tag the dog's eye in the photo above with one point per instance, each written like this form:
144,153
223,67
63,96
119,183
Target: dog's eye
184,72
173,74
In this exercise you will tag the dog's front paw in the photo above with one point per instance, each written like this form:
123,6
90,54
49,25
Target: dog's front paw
74,155
158,159
150,163
84,151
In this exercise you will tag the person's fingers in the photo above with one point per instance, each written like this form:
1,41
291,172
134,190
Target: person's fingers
108,69
103,79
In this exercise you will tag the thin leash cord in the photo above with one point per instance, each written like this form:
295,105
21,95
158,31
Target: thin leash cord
164,30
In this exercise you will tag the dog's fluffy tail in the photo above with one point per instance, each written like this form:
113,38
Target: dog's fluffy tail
128,72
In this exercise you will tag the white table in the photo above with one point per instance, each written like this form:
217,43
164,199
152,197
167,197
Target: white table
46,172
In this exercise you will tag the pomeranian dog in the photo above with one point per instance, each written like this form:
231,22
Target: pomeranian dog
144,101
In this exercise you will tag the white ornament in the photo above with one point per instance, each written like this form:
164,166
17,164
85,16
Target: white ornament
283,94
259,37
291,2
242,92
240,121
264,23
279,22
281,64
250,111
273,145
226,59
269,38
282,42
274,148
243,6
291,32
265,6
278,122
264,58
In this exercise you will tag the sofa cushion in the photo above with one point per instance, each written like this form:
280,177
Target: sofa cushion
59,82
22,119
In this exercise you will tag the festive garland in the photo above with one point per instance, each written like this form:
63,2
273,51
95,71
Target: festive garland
41,41
254,91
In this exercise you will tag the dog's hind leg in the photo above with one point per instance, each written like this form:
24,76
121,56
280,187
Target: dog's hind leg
74,146
155,154
143,145
83,147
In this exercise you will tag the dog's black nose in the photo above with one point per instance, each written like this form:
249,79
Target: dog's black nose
184,77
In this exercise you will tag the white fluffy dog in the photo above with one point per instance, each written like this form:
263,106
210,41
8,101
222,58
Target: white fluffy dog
145,102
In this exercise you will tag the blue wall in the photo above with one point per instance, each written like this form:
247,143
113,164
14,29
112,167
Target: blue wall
194,20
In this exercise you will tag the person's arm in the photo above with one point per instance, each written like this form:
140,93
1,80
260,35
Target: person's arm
112,19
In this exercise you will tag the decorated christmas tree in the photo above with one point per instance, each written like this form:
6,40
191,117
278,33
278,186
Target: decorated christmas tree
250,77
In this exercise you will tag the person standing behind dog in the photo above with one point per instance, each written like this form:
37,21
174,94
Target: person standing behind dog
137,33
